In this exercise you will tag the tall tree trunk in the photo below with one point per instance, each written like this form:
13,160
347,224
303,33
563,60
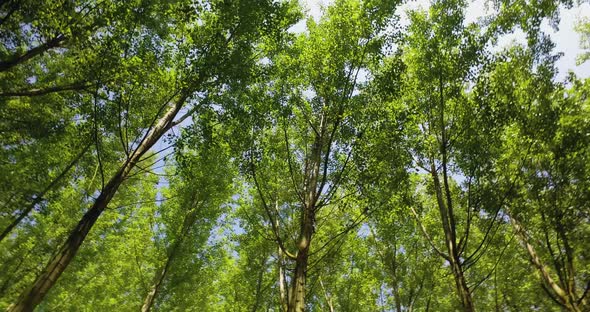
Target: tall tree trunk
150,298
297,301
39,197
461,285
32,296
327,296
312,170
395,285
451,243
260,279
445,205
283,296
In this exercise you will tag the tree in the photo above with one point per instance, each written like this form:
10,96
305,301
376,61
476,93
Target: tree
307,136
547,207
209,156
216,40
441,55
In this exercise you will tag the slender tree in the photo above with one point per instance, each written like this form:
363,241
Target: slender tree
317,81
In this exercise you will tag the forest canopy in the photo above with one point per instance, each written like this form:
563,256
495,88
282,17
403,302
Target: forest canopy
177,155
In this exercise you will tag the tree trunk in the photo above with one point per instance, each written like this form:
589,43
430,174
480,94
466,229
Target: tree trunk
450,241
189,220
151,296
394,284
259,281
32,296
461,284
311,171
297,301
327,296
282,289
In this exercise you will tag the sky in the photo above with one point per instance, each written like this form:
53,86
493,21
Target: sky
566,39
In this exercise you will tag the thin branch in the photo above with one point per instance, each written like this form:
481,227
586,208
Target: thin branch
428,238
334,187
337,247
291,172
586,291
39,197
353,225
186,115
156,153
45,91
124,143
142,202
497,210
153,122
97,141
495,265
269,214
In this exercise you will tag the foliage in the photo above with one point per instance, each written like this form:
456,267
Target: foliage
203,156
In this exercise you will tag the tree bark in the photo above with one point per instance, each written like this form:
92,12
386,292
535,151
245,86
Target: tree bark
461,284
189,219
32,296
445,206
394,284
260,279
327,296
297,301
312,169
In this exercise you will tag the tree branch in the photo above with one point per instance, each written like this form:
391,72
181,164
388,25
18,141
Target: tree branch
428,238
45,91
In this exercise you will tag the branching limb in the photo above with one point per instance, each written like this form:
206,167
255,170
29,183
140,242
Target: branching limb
48,90
269,214
428,238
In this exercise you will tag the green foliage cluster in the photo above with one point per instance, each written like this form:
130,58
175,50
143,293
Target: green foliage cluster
202,156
